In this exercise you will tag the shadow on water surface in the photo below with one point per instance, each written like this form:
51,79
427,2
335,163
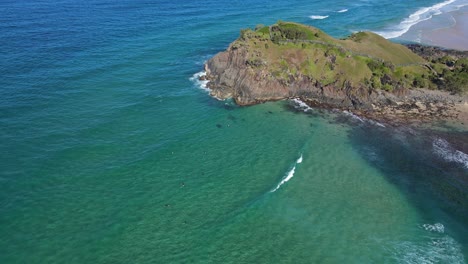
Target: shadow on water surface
429,167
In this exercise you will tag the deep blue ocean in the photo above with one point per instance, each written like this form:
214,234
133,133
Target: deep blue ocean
112,153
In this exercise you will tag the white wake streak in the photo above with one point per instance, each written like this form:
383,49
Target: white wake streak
318,17
289,175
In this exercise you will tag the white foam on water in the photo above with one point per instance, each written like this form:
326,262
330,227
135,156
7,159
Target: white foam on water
376,123
285,179
217,98
437,227
422,14
363,120
199,83
442,148
436,250
203,84
343,11
289,175
318,17
299,160
301,105
353,116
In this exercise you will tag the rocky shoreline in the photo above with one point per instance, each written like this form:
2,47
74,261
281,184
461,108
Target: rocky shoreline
402,107
235,74
408,107
419,107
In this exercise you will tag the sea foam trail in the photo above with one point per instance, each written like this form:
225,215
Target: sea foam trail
342,11
299,160
422,14
289,175
442,148
353,116
362,119
376,123
318,17
300,105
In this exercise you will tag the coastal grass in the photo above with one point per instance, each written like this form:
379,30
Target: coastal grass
288,50
375,46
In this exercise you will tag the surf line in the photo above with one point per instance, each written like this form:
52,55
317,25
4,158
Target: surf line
422,14
289,175
315,17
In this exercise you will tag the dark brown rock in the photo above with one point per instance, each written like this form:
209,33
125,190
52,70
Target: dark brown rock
233,75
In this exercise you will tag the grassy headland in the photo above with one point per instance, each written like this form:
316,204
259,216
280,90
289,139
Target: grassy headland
288,50
364,73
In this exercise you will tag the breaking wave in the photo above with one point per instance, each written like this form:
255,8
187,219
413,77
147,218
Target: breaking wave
363,120
299,161
300,105
202,84
376,123
342,11
443,149
422,14
289,175
318,17
353,116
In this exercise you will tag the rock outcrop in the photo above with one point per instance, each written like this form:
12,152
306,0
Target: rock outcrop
231,77
266,64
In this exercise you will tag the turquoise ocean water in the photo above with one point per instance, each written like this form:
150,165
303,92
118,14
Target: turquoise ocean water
112,153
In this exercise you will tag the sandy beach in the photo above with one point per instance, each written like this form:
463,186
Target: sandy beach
455,37
447,30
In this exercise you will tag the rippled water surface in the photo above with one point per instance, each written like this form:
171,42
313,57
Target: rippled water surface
111,152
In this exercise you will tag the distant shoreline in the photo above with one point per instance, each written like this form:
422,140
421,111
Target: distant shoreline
447,30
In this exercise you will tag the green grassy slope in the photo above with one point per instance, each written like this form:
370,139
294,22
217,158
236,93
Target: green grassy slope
288,50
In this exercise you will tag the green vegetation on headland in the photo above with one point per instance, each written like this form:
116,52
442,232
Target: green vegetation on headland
364,73
289,51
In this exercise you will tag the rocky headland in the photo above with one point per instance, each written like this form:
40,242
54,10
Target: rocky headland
364,73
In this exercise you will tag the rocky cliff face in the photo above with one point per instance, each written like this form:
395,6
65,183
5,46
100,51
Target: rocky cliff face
231,76
365,72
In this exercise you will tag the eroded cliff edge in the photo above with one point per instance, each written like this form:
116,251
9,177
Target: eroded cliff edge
365,72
